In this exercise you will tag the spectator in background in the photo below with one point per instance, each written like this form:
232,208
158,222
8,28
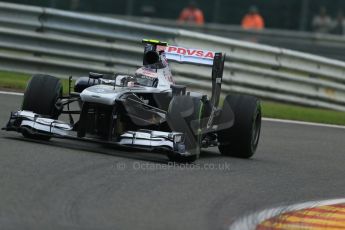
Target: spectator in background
339,24
192,14
253,19
322,23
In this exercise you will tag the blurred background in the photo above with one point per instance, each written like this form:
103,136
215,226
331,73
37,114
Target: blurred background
260,38
288,14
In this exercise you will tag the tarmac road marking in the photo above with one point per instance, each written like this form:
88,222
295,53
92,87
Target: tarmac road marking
296,226
303,123
11,93
319,215
322,218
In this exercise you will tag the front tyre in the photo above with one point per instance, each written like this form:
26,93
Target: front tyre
41,95
241,140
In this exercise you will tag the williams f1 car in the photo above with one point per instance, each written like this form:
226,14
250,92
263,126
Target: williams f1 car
144,110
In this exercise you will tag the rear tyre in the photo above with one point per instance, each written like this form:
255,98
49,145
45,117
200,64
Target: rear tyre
41,96
241,140
184,115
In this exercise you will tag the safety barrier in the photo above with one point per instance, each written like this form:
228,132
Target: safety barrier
34,39
327,45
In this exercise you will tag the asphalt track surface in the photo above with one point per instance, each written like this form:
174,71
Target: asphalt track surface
65,184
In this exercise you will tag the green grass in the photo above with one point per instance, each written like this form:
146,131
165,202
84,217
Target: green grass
299,113
18,81
13,81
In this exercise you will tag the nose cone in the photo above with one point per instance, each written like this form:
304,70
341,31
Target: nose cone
101,94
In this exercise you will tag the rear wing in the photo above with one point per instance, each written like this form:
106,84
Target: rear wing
191,56
181,54
201,57
197,57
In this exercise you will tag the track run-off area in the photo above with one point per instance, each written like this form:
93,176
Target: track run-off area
77,185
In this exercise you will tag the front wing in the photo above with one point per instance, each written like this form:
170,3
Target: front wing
26,121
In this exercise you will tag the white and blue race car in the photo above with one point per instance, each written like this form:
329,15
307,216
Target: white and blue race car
145,110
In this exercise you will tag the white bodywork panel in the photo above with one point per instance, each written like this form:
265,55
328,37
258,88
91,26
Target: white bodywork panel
107,94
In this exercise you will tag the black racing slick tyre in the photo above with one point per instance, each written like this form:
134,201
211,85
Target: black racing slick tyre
41,95
241,140
184,115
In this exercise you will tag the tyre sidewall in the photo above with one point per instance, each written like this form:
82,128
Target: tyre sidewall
41,95
238,141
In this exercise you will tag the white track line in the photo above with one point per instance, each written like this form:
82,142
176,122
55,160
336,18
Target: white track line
265,119
251,221
304,123
11,93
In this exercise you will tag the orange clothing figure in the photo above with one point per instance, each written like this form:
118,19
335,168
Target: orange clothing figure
192,14
253,20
